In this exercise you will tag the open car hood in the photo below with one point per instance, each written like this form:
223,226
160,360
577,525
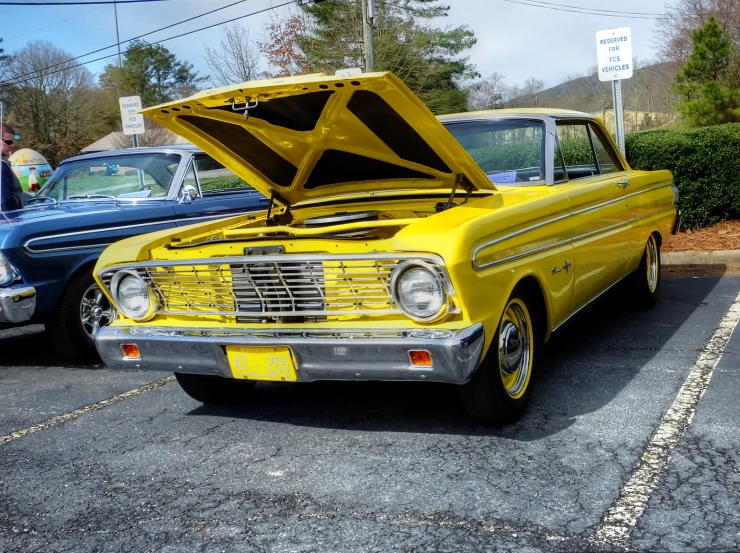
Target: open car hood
315,136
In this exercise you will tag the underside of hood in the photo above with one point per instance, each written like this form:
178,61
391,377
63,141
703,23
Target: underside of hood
315,136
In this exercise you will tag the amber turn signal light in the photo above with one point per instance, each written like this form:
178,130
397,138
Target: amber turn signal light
131,351
420,358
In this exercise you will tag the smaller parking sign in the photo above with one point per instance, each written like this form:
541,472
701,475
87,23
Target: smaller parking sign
614,54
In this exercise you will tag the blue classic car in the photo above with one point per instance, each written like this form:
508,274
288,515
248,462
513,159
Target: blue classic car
48,248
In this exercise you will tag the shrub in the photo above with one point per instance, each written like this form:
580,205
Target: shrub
705,163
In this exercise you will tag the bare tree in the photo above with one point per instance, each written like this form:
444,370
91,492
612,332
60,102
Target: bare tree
488,93
55,108
531,88
236,59
572,92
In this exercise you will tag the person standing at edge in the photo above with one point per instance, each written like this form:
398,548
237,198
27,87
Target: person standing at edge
11,193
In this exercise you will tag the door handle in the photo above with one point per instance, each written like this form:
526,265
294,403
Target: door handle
623,183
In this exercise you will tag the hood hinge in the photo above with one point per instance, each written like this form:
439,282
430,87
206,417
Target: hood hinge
460,181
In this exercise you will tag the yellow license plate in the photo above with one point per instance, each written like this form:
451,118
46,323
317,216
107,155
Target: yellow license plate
272,363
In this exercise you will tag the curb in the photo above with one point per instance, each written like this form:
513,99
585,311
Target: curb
729,259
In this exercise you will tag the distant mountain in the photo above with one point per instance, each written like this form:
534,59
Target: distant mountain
649,90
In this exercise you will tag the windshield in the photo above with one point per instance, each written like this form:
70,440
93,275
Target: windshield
116,177
511,152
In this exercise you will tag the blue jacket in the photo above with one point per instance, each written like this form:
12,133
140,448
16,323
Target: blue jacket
11,191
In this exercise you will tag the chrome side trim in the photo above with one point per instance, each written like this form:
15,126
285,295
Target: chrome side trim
541,224
614,227
193,220
27,244
568,241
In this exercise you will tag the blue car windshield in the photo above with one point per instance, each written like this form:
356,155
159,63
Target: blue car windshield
510,151
121,176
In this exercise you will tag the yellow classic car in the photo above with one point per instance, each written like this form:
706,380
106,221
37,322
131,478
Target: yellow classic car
396,246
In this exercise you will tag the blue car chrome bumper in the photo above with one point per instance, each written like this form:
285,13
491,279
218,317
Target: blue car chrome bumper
17,304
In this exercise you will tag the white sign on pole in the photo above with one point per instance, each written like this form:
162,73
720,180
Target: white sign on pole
133,122
614,54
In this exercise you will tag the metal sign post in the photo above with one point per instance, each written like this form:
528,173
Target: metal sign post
618,114
614,53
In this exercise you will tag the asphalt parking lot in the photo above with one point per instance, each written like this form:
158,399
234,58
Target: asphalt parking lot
338,467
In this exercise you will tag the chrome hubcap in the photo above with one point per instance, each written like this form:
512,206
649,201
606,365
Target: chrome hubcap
652,264
515,348
95,310
511,348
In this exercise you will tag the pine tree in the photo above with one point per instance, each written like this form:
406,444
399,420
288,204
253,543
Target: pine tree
708,98
327,36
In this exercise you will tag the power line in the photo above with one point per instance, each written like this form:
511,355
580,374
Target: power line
608,13
90,3
119,43
156,42
577,9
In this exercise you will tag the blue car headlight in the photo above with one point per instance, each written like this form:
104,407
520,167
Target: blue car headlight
7,272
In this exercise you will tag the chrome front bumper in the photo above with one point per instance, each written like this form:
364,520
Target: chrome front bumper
17,304
319,354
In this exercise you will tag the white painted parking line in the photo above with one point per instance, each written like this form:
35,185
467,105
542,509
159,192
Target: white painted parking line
84,410
619,522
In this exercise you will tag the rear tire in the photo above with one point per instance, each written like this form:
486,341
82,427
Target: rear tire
214,390
646,279
500,390
79,314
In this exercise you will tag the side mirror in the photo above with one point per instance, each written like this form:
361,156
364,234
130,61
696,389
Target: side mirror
188,194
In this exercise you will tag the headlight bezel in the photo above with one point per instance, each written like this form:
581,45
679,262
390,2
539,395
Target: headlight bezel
11,274
154,303
402,269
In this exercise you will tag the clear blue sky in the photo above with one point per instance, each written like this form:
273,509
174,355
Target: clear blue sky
515,40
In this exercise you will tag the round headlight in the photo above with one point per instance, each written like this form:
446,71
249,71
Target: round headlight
419,292
133,296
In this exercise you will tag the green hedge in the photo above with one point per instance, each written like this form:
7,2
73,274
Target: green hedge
705,163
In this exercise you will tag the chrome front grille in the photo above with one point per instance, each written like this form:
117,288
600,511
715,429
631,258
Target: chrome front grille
271,287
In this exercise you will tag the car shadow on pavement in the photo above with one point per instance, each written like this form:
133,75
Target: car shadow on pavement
581,370
28,346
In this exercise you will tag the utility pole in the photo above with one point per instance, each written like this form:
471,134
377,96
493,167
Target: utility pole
118,38
368,21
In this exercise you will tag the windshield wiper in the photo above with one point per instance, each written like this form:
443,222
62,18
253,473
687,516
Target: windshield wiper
43,198
91,196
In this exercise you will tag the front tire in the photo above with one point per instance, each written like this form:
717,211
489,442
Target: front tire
501,388
214,390
81,311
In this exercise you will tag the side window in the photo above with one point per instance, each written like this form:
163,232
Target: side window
607,162
214,178
575,146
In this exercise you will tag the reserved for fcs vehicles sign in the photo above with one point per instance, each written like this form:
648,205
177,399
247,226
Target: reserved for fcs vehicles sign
614,54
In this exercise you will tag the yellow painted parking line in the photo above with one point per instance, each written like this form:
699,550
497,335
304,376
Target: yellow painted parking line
619,522
18,434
